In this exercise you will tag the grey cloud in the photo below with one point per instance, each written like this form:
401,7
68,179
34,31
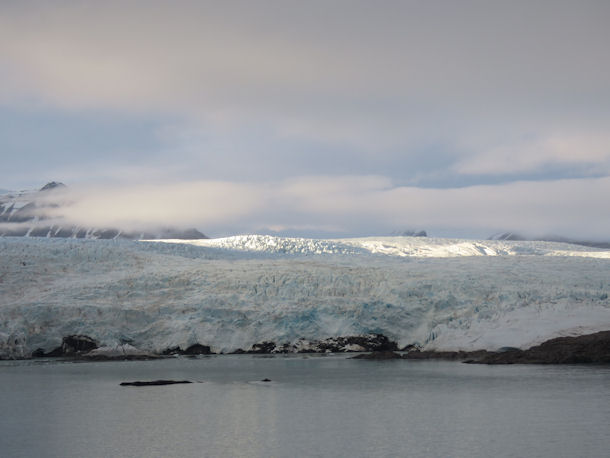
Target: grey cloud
349,73
345,205
433,94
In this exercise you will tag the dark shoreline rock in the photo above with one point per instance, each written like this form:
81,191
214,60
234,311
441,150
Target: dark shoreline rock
72,345
193,350
378,356
445,355
127,357
586,349
343,344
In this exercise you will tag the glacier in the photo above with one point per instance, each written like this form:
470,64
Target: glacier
230,293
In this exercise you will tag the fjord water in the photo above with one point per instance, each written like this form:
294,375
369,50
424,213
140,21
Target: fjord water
314,407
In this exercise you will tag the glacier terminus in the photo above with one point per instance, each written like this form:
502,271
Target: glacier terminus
235,292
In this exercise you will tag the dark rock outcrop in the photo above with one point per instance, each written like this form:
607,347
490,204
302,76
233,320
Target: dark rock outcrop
78,344
409,233
73,345
198,349
52,185
363,343
126,357
445,355
38,353
379,355
591,348
262,348
369,342
195,349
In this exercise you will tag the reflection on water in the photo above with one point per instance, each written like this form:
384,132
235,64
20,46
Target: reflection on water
316,406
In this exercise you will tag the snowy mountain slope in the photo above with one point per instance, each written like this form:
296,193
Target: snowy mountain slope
231,293
26,214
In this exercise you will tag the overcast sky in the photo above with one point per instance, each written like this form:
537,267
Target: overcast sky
333,117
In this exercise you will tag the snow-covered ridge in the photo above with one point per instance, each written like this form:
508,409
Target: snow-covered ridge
418,247
235,292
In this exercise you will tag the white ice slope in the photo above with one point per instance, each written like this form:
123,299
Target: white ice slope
234,292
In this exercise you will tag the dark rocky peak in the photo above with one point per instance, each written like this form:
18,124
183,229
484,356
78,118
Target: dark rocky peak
52,185
409,233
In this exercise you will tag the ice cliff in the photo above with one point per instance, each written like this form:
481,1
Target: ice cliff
234,292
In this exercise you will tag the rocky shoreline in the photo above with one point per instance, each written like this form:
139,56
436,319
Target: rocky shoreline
585,349
85,348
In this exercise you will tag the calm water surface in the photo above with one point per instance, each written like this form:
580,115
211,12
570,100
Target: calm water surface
315,407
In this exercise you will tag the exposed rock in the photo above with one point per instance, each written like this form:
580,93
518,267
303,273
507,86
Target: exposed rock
262,348
77,344
52,185
591,348
172,351
446,355
195,349
155,383
368,342
74,345
379,355
125,357
409,233
38,353
55,353
285,348
198,349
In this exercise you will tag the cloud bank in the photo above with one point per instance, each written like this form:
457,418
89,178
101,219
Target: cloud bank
427,114
344,205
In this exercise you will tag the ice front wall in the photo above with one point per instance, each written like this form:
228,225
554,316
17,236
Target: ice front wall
231,293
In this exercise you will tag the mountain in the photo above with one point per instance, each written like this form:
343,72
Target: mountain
25,214
409,233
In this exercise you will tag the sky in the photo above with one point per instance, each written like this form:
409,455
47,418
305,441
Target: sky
342,118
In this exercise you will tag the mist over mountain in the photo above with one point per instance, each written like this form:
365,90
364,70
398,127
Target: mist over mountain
32,213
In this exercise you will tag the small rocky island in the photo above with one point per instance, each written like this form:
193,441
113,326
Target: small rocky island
156,383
